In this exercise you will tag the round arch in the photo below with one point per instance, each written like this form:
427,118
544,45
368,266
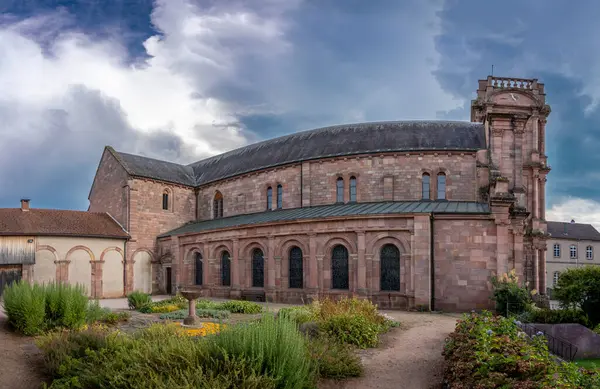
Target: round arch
215,252
80,267
246,249
46,259
142,259
329,244
113,272
79,247
375,244
286,245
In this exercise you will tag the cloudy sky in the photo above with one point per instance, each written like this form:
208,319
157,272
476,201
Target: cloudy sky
185,79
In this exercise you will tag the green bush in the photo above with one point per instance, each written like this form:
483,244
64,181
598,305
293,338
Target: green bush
300,315
579,288
95,312
66,305
268,354
335,360
208,304
352,329
177,300
555,316
274,348
510,297
34,308
182,314
597,329
25,306
238,306
137,300
487,351
113,318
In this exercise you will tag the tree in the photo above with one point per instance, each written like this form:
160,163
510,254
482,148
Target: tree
580,288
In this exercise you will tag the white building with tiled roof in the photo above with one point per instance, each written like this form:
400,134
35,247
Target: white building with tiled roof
570,245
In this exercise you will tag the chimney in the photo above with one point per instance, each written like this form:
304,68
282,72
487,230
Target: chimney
24,204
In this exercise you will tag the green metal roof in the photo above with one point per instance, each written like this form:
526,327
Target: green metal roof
334,210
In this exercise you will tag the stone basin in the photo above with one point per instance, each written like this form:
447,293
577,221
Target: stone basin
191,294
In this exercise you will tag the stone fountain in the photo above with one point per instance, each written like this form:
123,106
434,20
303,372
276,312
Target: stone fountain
191,296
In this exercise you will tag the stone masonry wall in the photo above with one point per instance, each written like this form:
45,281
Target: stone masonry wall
108,193
465,259
398,175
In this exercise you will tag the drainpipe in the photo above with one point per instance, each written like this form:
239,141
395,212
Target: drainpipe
432,261
301,185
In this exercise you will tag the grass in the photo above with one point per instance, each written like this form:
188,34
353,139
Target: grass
592,364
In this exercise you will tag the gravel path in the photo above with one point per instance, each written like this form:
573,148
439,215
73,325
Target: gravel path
410,357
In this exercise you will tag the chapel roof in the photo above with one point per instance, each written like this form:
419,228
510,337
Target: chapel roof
334,141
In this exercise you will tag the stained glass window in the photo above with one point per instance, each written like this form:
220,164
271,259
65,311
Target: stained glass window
258,269
225,269
198,263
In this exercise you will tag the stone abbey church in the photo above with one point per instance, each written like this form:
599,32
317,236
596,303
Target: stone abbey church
410,214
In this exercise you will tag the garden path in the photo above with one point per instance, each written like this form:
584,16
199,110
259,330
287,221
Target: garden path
410,357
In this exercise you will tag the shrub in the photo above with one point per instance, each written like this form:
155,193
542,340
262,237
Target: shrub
299,315
556,316
178,300
25,306
33,308
510,297
267,354
488,351
182,314
274,348
165,308
95,312
352,329
137,300
238,306
113,318
579,288
208,304
66,305
334,359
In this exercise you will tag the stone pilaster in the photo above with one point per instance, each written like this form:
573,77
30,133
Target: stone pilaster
361,267
313,272
235,269
270,292
422,255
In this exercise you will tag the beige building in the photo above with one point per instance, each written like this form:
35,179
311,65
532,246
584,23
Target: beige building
45,245
570,245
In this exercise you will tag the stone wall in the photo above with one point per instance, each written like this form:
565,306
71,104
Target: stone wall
108,193
394,177
465,259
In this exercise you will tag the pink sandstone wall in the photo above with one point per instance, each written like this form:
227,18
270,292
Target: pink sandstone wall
108,193
465,258
379,178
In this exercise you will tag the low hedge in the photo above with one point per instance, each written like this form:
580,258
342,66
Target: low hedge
487,351
555,316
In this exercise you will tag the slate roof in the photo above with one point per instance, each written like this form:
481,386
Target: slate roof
53,222
335,210
335,141
579,231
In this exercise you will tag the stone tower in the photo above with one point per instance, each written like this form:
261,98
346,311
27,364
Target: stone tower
514,112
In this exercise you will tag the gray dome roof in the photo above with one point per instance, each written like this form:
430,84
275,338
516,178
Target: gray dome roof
335,141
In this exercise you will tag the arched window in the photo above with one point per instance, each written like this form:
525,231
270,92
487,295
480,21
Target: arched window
589,252
389,260
339,267
555,278
441,186
258,269
269,198
352,188
573,251
425,187
556,250
165,200
339,190
225,269
295,270
218,205
198,263
279,196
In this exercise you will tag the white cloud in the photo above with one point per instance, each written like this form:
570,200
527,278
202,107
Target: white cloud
573,208
65,94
